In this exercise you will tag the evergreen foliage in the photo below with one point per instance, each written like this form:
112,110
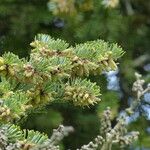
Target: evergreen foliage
52,73
125,22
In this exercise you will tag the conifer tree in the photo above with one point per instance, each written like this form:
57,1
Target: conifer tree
56,71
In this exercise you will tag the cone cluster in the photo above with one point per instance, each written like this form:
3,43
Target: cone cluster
5,113
80,96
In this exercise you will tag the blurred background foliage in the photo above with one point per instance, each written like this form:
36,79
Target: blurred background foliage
126,22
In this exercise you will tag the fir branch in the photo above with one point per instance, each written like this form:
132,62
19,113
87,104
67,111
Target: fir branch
12,137
82,92
97,50
49,42
35,137
52,72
